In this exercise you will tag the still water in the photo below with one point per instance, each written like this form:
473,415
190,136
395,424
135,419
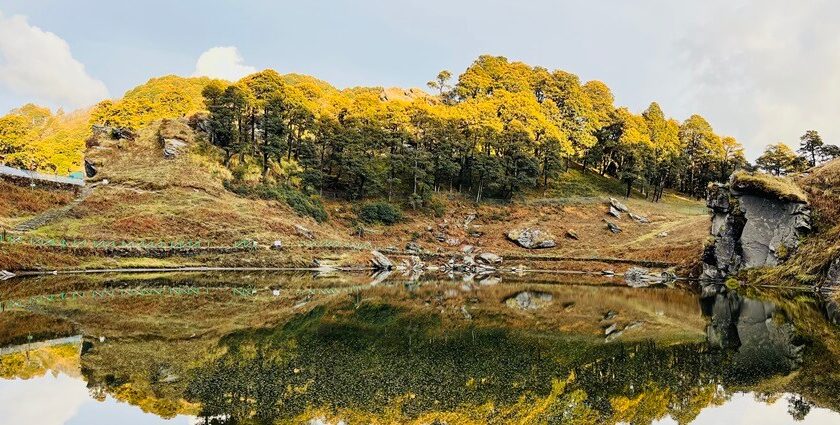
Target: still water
277,349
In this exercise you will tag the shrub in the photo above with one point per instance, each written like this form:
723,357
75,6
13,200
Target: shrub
380,212
303,205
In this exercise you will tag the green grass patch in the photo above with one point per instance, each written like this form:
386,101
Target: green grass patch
304,205
780,187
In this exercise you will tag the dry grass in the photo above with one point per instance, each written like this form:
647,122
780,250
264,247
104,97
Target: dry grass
813,258
23,201
781,187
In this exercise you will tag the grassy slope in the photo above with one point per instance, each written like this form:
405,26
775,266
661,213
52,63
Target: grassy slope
813,258
150,198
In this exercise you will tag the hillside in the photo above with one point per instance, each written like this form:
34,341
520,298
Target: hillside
290,158
138,195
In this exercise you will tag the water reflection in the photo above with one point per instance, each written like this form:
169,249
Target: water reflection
432,352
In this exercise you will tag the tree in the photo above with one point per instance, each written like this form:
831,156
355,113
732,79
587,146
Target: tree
441,84
809,146
777,159
829,152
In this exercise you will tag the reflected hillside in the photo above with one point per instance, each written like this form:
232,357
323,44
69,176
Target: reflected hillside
288,349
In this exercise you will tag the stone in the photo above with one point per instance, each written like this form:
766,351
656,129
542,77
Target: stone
832,278
571,234
639,218
5,275
529,300
618,205
610,329
413,247
614,212
380,261
640,277
467,249
750,230
612,227
662,235
277,245
453,241
90,169
172,148
489,258
303,231
532,238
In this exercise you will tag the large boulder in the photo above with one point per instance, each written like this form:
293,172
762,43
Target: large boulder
751,228
532,238
380,262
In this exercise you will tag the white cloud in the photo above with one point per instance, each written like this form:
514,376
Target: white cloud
767,70
38,64
222,62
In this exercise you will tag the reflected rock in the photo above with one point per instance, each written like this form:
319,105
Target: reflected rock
529,300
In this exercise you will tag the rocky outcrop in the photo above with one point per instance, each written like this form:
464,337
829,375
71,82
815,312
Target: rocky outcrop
753,328
532,238
751,228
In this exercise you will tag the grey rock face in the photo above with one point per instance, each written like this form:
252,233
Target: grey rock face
639,218
614,212
751,231
532,238
753,329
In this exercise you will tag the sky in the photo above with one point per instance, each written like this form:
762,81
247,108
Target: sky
762,71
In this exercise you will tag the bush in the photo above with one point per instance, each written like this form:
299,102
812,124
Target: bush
380,212
302,204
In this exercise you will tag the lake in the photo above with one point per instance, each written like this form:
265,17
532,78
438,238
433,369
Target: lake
262,348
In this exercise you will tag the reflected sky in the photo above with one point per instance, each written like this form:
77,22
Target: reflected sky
62,400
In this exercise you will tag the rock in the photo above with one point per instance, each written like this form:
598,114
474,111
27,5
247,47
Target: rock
467,249
5,275
277,245
639,277
614,212
453,241
613,227
571,234
529,300
440,236
469,219
532,238
172,148
750,230
90,169
662,235
489,258
639,218
618,205
609,315
832,278
413,248
610,329
608,273
303,231
380,261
